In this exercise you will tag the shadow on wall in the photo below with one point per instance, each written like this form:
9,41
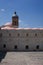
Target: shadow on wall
2,55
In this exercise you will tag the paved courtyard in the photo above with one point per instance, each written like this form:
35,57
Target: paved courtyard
21,58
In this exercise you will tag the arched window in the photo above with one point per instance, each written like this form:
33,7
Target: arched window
15,47
9,34
18,34
15,22
35,34
27,34
0,34
4,46
26,47
37,47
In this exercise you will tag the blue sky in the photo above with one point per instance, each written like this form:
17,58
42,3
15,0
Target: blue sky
30,12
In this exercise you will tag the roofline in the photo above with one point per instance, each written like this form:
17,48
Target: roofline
22,28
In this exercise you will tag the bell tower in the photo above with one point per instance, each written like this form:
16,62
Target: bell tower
15,20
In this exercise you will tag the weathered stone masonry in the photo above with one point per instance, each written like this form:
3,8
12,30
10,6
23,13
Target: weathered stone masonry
21,39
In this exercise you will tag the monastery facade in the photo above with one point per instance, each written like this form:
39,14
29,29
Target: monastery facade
13,38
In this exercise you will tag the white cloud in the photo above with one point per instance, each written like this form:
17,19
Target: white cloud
22,24
2,10
8,23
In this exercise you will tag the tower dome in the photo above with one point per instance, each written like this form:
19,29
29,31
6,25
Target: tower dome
14,14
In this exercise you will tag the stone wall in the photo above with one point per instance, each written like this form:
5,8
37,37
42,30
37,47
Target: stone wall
27,40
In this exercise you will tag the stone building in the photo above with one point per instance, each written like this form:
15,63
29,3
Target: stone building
13,38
